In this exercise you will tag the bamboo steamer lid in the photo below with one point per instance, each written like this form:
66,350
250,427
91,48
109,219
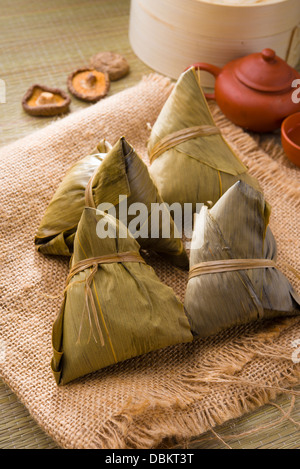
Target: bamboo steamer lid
170,35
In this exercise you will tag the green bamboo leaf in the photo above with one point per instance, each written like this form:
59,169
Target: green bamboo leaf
123,316
236,228
124,173
198,170
56,232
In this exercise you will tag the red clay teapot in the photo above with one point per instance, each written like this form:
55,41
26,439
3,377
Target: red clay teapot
256,91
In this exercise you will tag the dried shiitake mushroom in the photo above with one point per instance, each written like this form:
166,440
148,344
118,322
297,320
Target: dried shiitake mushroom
88,84
109,62
41,100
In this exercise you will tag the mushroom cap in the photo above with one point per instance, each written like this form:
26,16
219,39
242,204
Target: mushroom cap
88,84
41,100
112,63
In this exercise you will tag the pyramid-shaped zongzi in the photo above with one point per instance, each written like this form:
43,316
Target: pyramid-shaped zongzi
57,229
114,307
123,184
234,278
190,160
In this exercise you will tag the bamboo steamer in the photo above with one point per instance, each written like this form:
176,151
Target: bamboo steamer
170,35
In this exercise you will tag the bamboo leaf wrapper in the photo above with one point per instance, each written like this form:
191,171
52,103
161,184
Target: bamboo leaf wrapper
58,226
124,173
135,312
236,228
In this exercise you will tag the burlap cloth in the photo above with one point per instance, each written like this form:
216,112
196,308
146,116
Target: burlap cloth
164,397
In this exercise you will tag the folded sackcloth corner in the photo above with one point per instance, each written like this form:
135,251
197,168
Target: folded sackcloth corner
164,397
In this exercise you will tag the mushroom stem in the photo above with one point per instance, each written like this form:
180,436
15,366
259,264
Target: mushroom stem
89,81
45,98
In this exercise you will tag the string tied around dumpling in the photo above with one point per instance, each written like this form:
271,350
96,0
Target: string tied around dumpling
232,265
181,136
90,306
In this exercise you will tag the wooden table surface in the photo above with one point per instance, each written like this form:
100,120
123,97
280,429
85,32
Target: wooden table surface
42,42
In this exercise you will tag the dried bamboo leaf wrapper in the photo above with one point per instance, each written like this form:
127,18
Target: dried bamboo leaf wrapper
236,228
200,169
57,229
123,173
128,298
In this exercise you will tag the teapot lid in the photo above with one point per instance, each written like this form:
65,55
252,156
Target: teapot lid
265,71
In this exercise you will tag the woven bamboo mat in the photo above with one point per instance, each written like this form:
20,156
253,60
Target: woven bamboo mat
42,42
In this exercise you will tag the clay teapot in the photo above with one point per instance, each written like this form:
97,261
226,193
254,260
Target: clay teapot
255,92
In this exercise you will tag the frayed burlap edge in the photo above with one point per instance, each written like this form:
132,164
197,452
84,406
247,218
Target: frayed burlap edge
129,429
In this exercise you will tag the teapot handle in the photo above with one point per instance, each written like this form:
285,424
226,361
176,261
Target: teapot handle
215,71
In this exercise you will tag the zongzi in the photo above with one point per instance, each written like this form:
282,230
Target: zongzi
190,160
57,229
233,277
123,187
112,308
